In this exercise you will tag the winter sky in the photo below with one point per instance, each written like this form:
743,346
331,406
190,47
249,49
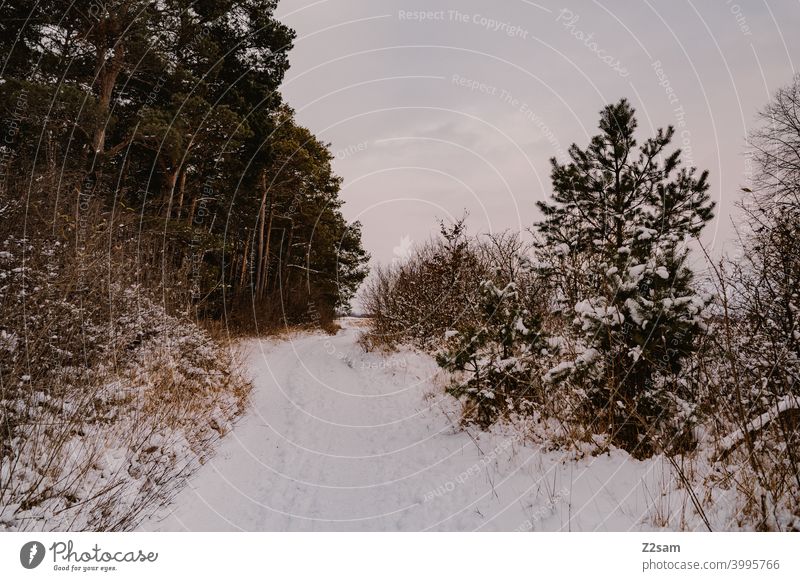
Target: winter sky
438,106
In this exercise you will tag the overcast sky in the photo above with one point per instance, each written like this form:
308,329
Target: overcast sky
464,105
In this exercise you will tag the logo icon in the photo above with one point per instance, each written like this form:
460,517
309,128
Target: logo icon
31,554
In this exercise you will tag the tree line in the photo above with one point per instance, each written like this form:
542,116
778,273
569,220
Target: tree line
165,119
154,188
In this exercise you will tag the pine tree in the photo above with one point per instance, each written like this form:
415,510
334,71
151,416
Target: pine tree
613,239
495,355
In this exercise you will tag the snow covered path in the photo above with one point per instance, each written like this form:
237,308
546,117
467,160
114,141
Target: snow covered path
340,439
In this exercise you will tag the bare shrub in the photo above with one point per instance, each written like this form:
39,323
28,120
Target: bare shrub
437,288
776,148
419,299
107,402
753,375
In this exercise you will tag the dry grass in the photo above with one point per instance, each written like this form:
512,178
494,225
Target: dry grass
107,402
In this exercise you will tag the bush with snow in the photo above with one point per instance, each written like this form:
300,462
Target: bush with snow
604,339
107,402
496,356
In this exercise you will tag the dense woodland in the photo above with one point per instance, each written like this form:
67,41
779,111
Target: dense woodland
156,196
163,121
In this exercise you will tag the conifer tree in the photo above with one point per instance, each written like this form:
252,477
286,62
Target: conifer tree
495,355
171,110
613,239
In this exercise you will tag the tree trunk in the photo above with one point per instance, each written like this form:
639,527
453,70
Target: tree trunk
243,272
261,227
288,271
181,192
106,73
271,215
167,190
268,237
190,215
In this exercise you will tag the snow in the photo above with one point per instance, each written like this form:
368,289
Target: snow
345,440
588,357
93,445
561,249
788,402
635,313
635,272
520,327
590,313
646,233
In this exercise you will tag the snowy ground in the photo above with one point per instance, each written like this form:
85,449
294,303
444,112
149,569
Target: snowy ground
340,439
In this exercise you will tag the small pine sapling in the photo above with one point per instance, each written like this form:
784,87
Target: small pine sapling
493,358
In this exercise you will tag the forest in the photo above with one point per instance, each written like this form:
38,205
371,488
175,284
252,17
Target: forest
158,197
162,123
